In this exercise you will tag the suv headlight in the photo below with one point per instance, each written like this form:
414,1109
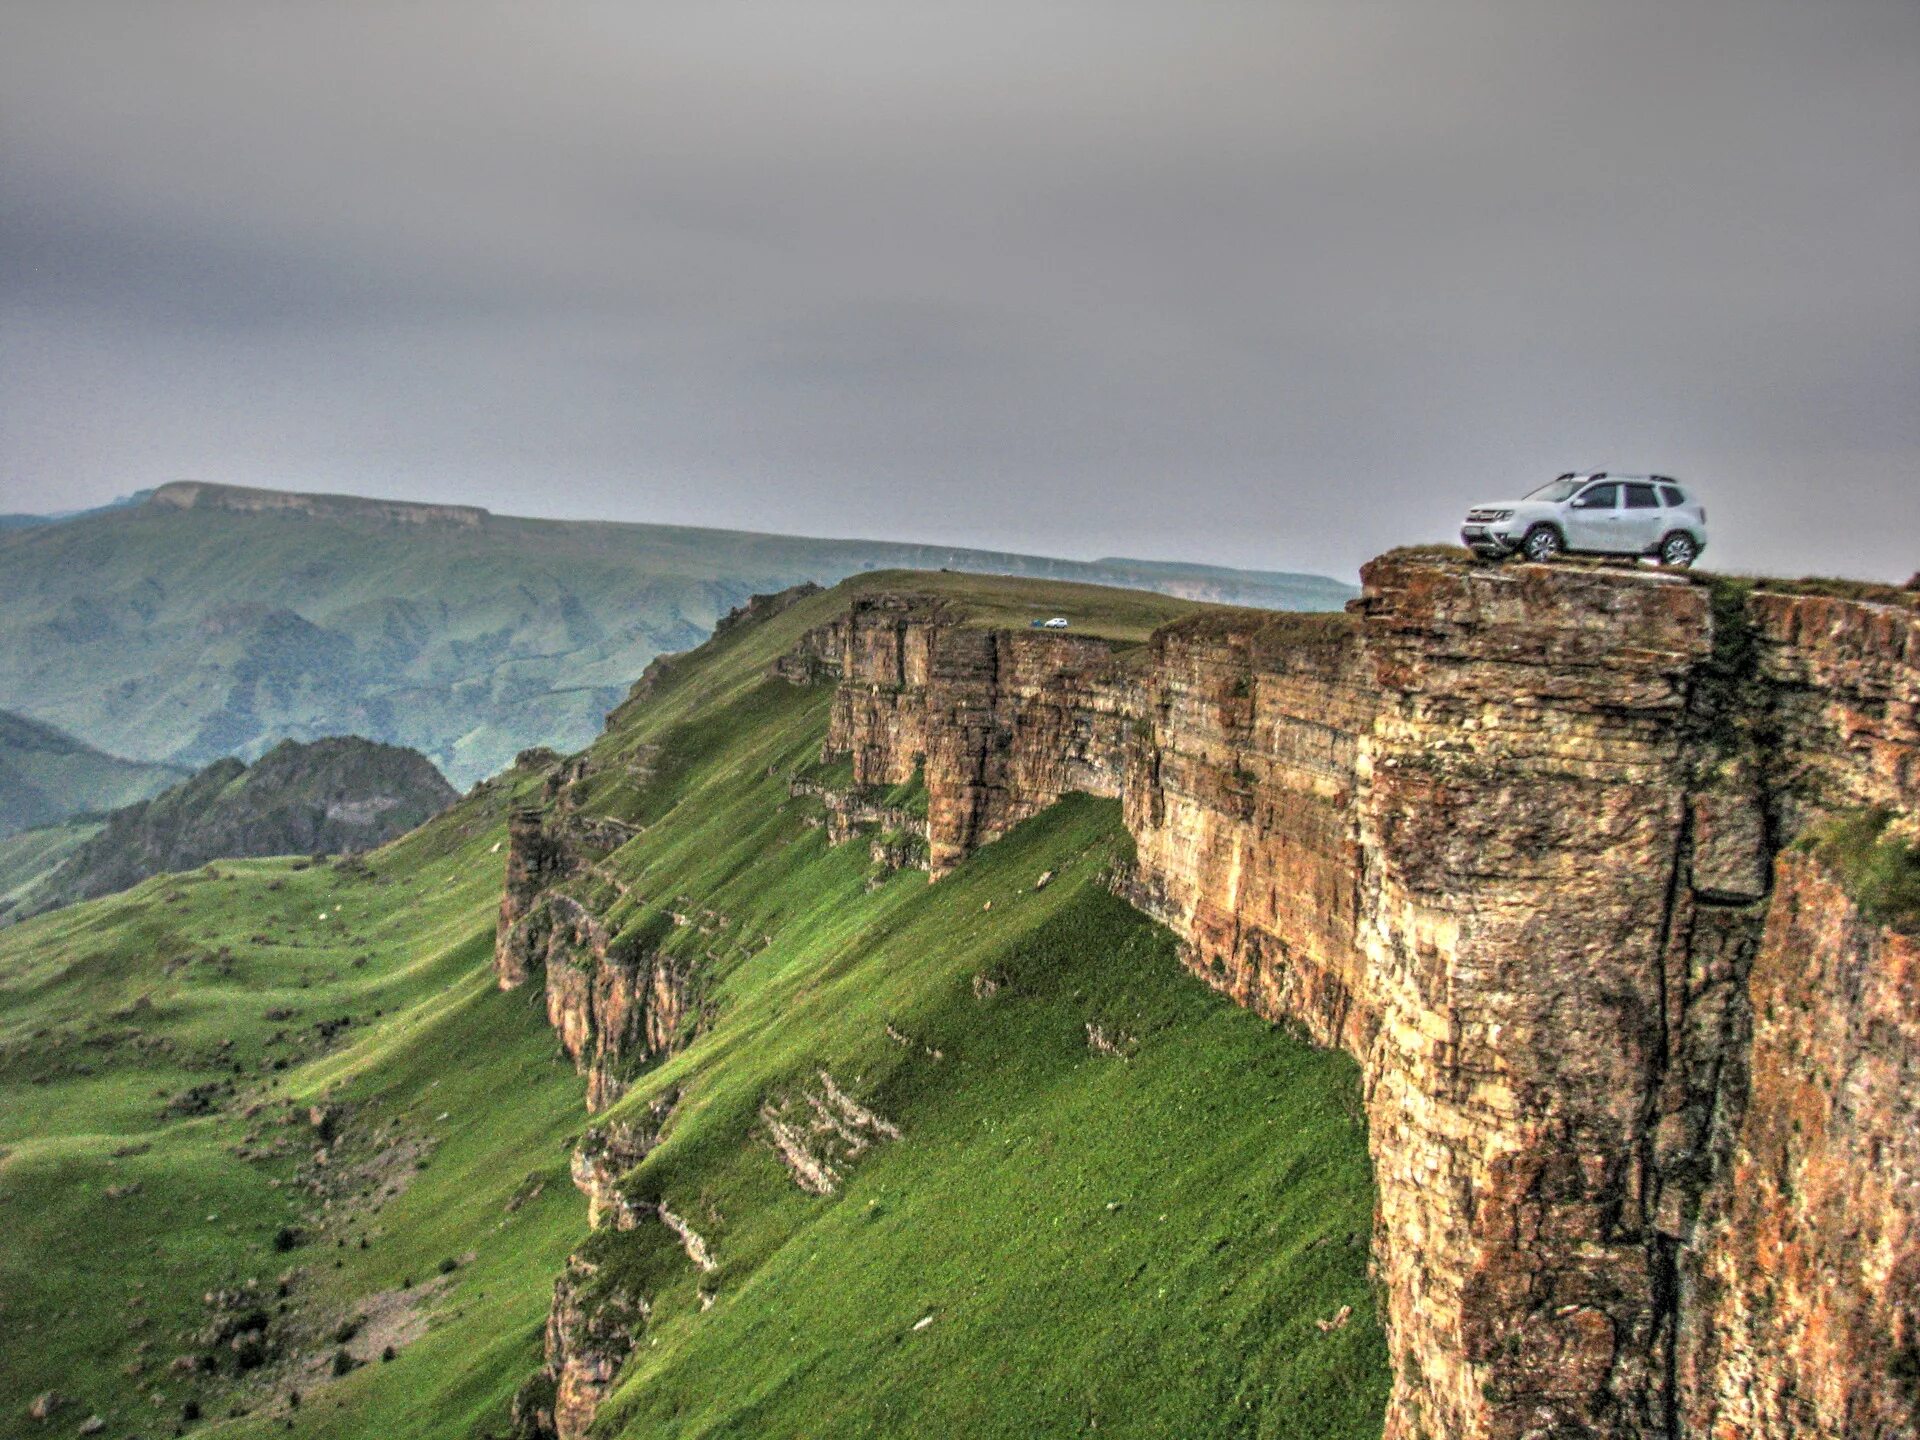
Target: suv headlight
1503,515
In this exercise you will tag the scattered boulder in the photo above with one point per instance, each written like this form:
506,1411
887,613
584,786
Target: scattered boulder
1338,1320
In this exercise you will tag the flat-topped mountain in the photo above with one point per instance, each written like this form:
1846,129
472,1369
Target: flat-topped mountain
337,795
214,620
247,500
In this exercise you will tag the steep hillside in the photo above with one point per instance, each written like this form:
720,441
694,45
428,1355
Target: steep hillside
213,621
47,776
339,795
872,1157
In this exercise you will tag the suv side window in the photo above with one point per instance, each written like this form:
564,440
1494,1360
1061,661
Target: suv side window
1641,497
1673,498
1598,497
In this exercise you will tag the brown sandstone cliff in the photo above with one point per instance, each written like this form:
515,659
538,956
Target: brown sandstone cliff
1510,837
1639,1078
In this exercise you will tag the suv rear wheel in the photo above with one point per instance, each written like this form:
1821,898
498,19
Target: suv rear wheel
1543,543
1678,550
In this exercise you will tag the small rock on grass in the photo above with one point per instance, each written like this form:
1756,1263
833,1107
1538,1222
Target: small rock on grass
1339,1320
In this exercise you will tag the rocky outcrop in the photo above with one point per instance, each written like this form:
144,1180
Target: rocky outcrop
898,835
614,1006
608,1153
1001,723
591,1330
819,1132
537,860
1513,838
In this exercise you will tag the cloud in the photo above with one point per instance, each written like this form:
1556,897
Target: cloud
1267,284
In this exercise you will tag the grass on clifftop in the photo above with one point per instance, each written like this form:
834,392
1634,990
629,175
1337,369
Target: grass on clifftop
1013,602
1121,1201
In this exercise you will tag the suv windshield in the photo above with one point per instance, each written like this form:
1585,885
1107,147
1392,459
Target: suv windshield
1554,491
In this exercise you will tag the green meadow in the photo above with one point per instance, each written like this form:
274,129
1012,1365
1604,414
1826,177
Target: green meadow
1154,1234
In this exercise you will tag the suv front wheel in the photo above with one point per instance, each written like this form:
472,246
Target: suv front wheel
1543,543
1678,550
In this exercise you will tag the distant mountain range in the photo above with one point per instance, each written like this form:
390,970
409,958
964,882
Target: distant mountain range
47,776
201,621
333,796
26,521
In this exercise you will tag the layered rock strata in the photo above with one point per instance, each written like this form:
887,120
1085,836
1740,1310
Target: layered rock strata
1639,1076
1511,837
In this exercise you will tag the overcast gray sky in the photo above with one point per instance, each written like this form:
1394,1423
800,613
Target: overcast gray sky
1276,285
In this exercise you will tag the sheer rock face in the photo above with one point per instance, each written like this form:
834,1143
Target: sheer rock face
1004,722
611,1011
1509,836
1805,1272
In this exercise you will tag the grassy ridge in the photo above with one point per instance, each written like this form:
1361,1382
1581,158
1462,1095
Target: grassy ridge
1141,1240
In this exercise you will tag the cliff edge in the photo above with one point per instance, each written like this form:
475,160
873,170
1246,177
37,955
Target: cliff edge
1548,851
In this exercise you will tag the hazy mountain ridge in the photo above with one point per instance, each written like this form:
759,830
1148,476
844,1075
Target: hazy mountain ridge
216,620
26,520
48,776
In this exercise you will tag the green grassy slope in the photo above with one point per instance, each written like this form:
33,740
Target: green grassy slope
188,635
1142,1241
121,1212
48,777
27,858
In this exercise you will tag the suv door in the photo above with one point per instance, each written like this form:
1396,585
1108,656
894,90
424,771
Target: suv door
1593,521
1642,519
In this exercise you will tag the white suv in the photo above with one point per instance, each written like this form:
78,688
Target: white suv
1594,515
